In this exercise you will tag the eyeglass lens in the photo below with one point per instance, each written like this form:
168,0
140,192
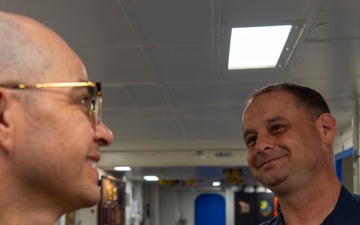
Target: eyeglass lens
96,102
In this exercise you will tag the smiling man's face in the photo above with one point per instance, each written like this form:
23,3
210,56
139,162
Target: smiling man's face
283,143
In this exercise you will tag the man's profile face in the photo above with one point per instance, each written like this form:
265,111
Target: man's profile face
59,142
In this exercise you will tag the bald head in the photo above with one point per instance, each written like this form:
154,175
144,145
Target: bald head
29,50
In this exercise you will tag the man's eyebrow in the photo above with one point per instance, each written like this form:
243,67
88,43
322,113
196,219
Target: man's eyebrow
276,119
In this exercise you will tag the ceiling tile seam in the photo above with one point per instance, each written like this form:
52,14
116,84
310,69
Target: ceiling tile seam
136,46
179,120
128,10
331,40
126,89
165,90
132,19
149,57
216,42
309,22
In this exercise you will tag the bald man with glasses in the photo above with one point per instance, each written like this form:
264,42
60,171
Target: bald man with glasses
50,126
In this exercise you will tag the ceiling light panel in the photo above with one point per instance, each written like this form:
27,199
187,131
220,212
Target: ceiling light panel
257,47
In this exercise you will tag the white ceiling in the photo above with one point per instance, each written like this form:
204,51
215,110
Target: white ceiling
168,97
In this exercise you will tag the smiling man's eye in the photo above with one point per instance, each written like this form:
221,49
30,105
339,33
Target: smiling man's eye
276,127
250,140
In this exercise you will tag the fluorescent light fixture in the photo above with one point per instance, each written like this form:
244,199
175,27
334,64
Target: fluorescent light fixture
257,47
122,168
216,184
236,188
151,178
260,189
249,189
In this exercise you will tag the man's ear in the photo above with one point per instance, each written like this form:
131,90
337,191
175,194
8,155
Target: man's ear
328,128
6,126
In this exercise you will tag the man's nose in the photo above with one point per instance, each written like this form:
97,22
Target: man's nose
264,143
103,135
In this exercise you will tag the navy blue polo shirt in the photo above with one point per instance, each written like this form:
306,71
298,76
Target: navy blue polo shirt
346,211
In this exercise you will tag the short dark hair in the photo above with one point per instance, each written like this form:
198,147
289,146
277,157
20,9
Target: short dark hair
307,99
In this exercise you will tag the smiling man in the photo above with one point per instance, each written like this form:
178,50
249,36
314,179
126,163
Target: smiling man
289,133
50,126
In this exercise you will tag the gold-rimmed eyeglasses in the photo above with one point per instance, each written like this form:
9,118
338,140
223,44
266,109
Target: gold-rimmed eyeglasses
94,104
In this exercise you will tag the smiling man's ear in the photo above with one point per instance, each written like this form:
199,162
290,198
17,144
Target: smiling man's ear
328,128
6,125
